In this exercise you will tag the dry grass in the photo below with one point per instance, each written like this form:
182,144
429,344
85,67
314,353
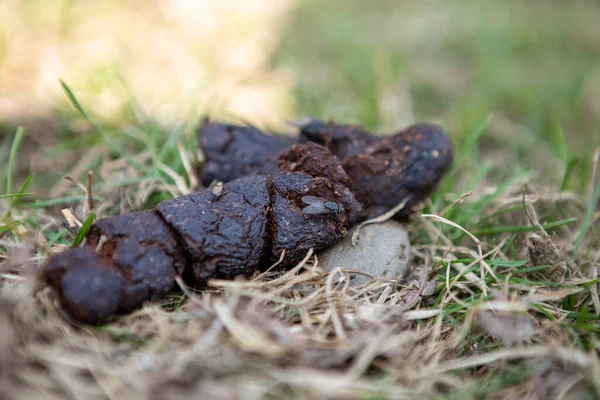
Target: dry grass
473,326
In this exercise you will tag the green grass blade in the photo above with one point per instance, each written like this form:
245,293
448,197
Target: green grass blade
472,140
504,263
85,228
500,212
12,159
557,140
590,283
587,220
531,269
75,102
114,147
8,226
569,170
478,208
8,196
521,228
17,196
466,150
543,311
56,237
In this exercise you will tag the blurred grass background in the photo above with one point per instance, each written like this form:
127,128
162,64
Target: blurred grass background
149,65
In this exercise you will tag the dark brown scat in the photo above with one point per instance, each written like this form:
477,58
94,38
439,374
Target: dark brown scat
88,290
244,227
383,170
247,146
386,170
331,181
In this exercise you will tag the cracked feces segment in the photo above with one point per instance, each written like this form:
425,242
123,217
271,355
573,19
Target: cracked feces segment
331,181
233,151
128,259
224,234
386,170
88,288
144,251
383,170
292,230
407,166
343,140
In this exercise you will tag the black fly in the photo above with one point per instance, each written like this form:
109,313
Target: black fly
318,206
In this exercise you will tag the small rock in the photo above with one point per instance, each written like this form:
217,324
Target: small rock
382,250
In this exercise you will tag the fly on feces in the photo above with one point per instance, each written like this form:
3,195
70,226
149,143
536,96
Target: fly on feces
319,205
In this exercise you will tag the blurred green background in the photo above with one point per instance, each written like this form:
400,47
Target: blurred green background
527,73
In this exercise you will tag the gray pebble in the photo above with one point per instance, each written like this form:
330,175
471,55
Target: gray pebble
383,250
